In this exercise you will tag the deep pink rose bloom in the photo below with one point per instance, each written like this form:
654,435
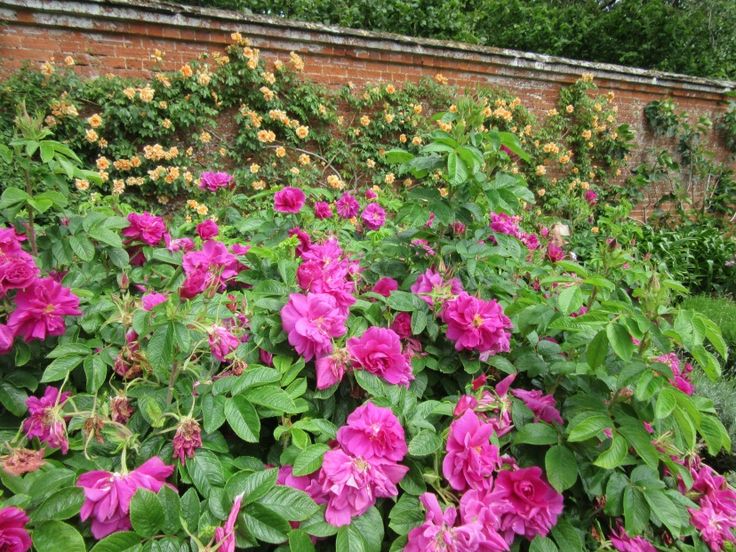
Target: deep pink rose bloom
222,342
373,216
40,310
145,228
10,240
471,459
207,229
543,406
239,249
476,508
385,286
311,322
530,240
180,244
555,252
623,542
322,210
476,324
108,495
591,197
14,536
352,484
402,324
305,241
680,373
18,270
347,206
430,284
225,535
373,432
465,403
370,194
530,505
378,351
326,252
187,439
458,228
265,357
714,523
45,420
330,369
289,200
6,339
333,278
308,483
506,224
439,532
213,181
150,300
212,266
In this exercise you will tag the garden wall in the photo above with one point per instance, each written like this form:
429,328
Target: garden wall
118,36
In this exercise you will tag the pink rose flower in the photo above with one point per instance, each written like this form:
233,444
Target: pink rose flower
352,484
213,181
471,459
373,432
187,439
385,286
180,244
150,300
505,224
430,286
402,324
370,194
331,369
591,197
207,229
222,342
305,241
6,339
46,421
10,240
322,210
714,523
225,535
289,200
211,267
373,216
40,310
458,228
332,277
347,206
530,240
555,252
378,351
440,531
145,228
108,495
18,270
311,322
543,406
476,508
529,505
476,324
623,542
14,536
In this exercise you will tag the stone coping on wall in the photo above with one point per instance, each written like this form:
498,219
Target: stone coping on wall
190,23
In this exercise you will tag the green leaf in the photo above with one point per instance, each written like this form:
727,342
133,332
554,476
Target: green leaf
543,544
190,508
364,534
206,471
424,443
299,541
634,432
636,511
620,340
570,299
568,538
310,459
117,542
243,418
597,350
171,505
405,515
160,351
561,467
397,156
54,536
666,403
95,372
82,247
271,397
614,455
108,237
666,510
291,504
252,485
13,399
13,197
536,434
213,412
61,367
146,513
61,505
586,426
707,361
264,524
404,301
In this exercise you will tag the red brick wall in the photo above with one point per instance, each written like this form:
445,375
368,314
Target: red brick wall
117,36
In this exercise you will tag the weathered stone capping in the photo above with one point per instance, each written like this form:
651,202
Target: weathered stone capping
117,36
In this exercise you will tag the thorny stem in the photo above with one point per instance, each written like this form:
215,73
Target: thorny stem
31,226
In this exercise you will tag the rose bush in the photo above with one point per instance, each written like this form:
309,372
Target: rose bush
422,367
